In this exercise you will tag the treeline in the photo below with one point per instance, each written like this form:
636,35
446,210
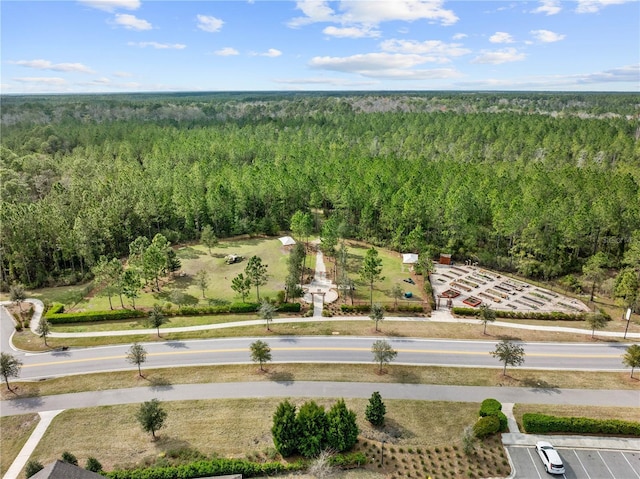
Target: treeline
509,184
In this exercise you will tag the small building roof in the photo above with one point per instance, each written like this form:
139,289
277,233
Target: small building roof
287,241
64,470
409,258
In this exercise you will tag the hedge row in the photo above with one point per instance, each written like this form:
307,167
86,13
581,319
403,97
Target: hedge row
289,307
541,423
355,308
492,419
545,316
86,316
214,467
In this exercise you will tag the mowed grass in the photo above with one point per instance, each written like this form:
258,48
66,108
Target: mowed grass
233,428
15,432
516,377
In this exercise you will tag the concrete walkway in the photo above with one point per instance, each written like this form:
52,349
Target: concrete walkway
324,289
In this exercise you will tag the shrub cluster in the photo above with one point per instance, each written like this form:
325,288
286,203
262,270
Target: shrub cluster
289,307
486,426
544,316
355,308
541,423
490,408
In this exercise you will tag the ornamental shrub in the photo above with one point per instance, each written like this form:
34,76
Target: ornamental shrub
342,433
490,407
486,426
312,427
375,410
285,429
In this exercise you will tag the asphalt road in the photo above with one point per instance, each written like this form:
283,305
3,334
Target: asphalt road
320,349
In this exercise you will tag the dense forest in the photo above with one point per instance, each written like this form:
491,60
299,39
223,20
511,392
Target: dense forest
529,182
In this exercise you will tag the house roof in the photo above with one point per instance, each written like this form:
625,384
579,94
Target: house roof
64,470
287,241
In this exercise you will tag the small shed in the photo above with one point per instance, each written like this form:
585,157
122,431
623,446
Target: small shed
409,258
287,241
445,258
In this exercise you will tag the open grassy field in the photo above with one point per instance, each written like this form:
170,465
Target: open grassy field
15,432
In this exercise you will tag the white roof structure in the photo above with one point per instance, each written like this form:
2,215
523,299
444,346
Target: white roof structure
287,241
409,258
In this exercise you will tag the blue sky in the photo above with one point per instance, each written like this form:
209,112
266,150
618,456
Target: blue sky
237,45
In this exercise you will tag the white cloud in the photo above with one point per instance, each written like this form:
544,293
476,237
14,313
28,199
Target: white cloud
209,24
51,81
373,13
431,47
351,32
111,5
158,46
546,36
382,65
549,7
272,53
594,6
497,57
131,22
630,73
460,36
123,74
325,81
501,37
227,51
60,67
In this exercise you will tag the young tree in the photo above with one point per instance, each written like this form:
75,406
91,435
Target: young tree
256,273
9,368
201,280
208,237
595,321
383,353
69,458
17,294
626,287
375,410
343,431
397,292
260,353
267,312
241,285
285,430
631,357
93,465
172,263
131,285
151,416
594,270
312,428
44,329
377,314
371,269
137,355
156,318
103,273
487,315
510,354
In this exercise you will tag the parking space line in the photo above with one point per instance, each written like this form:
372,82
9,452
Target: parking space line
534,464
605,464
630,465
583,468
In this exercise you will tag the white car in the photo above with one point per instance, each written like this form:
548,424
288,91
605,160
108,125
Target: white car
550,458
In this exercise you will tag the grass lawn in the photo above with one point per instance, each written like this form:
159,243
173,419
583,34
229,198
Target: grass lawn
15,432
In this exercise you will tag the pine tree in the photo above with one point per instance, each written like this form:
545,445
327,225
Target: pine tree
285,429
375,410
343,431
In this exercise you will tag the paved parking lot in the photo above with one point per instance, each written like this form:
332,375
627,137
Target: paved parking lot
579,463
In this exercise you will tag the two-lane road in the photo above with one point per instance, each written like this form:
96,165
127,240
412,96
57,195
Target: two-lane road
321,349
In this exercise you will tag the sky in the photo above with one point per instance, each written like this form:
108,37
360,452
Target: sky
87,46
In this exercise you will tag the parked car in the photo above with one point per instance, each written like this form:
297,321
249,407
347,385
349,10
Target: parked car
550,458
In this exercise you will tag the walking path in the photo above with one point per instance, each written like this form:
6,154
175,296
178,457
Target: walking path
321,290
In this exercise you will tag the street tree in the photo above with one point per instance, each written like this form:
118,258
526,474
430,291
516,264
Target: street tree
371,270
156,318
260,352
208,237
267,311
594,270
201,280
631,357
375,411
44,329
17,294
137,355
151,416
510,354
487,315
9,368
383,353
241,285
256,272
377,314
595,321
